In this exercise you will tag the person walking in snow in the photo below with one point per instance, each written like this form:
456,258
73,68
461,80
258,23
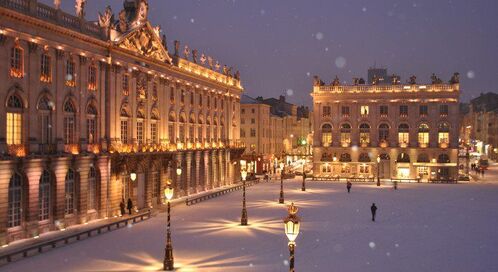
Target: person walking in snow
122,207
373,209
129,206
348,186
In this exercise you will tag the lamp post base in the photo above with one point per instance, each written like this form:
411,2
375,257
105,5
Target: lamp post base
281,199
292,247
243,219
169,263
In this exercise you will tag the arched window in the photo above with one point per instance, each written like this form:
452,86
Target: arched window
45,106
345,134
345,157
423,135
383,132
403,157
403,134
15,201
69,122
92,189
443,158
326,135
14,120
91,124
44,196
364,134
69,185
364,157
443,134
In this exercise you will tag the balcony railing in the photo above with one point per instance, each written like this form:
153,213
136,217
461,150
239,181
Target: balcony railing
72,149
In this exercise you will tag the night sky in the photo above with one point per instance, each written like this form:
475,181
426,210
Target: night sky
278,45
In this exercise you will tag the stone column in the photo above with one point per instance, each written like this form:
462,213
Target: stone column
207,172
197,171
178,181
221,155
214,166
188,173
104,195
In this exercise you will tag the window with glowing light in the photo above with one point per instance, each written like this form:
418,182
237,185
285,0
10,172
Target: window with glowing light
345,134
403,134
92,78
444,133
124,131
70,73
364,134
45,69
423,135
14,120
153,132
140,132
17,61
326,135
364,110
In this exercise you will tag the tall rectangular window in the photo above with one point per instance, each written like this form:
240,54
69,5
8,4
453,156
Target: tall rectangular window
423,109
443,110
91,130
69,127
140,132
70,73
14,128
326,111
153,132
171,133
44,128
126,84
384,110
253,132
403,110
92,78
17,62
45,71
345,111
124,131
364,110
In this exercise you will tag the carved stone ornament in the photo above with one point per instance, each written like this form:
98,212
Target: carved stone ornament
144,42
203,59
186,52
80,8
455,79
57,4
336,81
217,66
106,19
210,62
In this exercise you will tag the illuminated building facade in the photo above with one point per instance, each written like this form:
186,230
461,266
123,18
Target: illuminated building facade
86,104
413,129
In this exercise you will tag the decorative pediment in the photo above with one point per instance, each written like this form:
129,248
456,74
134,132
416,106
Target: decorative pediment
146,42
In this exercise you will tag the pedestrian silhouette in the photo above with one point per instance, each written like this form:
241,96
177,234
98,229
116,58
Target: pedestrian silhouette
348,186
129,206
122,207
373,209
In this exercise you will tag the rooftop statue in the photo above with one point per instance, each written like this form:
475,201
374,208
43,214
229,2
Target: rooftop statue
106,19
336,81
455,79
80,8
435,79
412,80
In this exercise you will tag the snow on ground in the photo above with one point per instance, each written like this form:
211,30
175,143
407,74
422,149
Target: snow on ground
421,227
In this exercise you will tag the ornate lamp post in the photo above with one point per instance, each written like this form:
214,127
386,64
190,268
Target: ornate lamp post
281,198
243,219
168,263
292,225
303,187
378,168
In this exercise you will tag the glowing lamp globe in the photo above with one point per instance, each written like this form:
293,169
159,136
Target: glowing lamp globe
291,223
378,159
243,174
168,193
133,176
281,165
178,171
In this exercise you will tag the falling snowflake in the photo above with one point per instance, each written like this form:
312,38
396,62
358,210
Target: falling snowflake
326,49
396,245
286,262
364,9
289,92
308,74
471,74
388,254
340,62
371,245
262,12
175,17
251,265
192,20
319,36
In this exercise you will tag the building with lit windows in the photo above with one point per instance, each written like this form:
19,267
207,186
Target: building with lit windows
412,128
85,104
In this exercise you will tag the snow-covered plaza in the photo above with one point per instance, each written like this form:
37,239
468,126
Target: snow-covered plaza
420,227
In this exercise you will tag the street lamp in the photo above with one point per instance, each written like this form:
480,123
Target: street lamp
133,176
378,168
243,219
292,225
168,264
281,198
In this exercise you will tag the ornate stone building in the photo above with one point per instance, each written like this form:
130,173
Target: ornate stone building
412,128
85,104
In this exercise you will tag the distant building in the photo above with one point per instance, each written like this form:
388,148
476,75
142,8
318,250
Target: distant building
481,124
412,128
378,75
273,127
